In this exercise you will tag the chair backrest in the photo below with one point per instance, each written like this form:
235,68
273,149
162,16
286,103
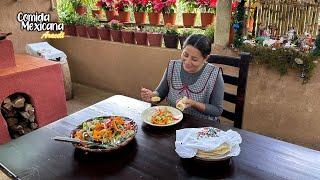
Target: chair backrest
242,63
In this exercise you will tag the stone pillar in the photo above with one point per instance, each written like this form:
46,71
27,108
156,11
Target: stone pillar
223,21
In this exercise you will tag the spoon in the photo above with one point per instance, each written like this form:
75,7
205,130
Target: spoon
76,141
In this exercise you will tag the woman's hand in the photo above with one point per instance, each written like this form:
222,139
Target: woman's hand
194,104
146,94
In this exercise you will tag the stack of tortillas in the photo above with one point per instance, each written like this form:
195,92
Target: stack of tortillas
219,151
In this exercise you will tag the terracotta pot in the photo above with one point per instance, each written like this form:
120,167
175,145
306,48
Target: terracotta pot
92,32
140,17
124,16
70,30
170,41
250,24
207,19
111,15
104,34
141,37
182,39
82,31
169,18
154,18
116,35
155,39
189,19
96,13
81,10
128,37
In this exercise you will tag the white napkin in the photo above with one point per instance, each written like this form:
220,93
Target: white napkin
190,140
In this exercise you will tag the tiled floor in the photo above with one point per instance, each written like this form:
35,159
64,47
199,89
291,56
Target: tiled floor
84,96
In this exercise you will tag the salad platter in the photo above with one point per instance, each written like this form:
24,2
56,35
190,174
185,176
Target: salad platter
104,134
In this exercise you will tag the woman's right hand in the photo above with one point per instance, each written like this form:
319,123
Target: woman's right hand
146,94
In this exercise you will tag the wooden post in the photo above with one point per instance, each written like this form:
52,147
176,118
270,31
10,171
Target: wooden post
223,23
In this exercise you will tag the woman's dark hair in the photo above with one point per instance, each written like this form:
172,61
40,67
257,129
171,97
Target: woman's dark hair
200,42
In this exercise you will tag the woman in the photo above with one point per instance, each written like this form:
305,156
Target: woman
194,78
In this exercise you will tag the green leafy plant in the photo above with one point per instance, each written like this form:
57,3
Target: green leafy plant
91,21
316,51
172,30
81,20
282,60
68,18
209,32
189,6
154,29
115,25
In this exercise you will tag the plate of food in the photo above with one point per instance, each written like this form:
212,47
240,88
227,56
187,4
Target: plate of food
104,134
162,116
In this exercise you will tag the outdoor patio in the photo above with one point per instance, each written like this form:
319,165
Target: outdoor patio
268,51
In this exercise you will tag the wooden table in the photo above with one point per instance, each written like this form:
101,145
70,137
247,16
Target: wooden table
152,154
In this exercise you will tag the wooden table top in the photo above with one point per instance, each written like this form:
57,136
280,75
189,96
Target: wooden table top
152,154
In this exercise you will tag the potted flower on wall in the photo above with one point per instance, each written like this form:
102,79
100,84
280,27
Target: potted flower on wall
141,36
154,15
79,6
140,8
128,35
69,20
168,12
155,36
92,28
122,6
208,9
189,15
171,36
81,26
115,30
104,32
108,7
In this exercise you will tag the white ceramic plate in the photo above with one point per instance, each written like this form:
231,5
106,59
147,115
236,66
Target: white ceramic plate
148,113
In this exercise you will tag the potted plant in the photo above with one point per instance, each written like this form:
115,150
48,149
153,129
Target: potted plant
128,35
155,36
168,12
209,32
115,30
154,15
171,36
189,15
141,37
69,20
81,26
79,6
140,8
104,32
108,7
122,6
92,27
207,9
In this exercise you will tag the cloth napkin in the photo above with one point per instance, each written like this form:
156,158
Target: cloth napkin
190,140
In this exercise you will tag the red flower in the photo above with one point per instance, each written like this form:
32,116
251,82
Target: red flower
213,3
234,5
99,4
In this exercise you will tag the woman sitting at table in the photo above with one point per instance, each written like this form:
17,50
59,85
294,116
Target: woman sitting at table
192,77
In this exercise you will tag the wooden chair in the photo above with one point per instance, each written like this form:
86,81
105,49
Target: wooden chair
242,63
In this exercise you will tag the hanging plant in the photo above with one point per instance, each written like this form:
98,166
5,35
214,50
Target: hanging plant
238,22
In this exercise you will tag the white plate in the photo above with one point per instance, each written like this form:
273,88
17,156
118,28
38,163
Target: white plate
148,113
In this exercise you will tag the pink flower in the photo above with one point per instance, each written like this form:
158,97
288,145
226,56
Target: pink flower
213,3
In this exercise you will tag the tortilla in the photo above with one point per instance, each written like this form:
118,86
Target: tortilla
219,151
181,104
155,99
